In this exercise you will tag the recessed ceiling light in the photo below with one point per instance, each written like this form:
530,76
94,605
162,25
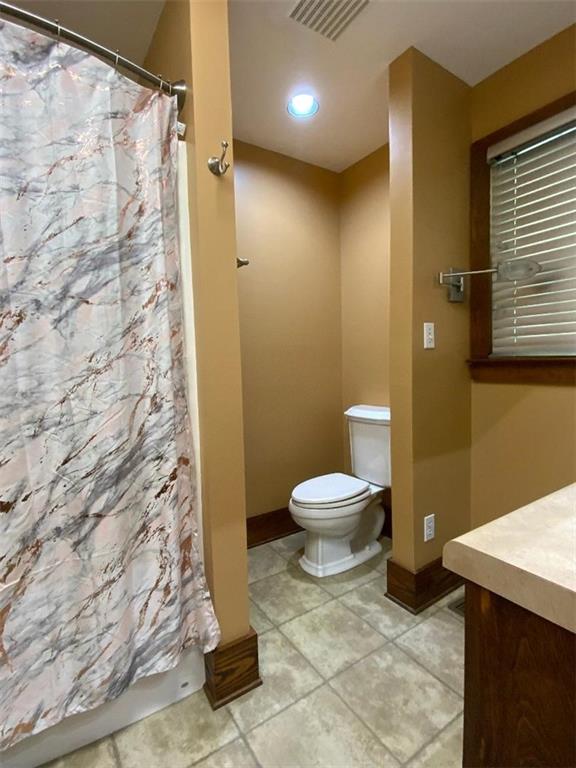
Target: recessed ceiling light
303,105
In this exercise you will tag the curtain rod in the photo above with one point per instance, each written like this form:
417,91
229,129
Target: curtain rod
178,88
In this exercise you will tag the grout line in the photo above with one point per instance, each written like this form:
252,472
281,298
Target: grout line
367,725
249,748
277,625
290,555
385,640
372,626
299,698
116,751
423,617
310,579
283,709
215,751
331,596
326,681
357,661
425,668
268,576
360,720
433,739
261,611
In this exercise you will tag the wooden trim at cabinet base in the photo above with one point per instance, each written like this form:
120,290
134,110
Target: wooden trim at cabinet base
232,670
416,591
270,526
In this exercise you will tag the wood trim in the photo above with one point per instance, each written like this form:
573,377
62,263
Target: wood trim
480,286
529,370
519,686
415,591
483,368
270,526
232,670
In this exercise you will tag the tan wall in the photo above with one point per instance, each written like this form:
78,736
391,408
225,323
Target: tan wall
287,226
523,436
364,256
191,42
430,389
539,77
523,445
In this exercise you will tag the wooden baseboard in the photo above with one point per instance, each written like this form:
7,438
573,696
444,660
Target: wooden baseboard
270,526
232,670
416,591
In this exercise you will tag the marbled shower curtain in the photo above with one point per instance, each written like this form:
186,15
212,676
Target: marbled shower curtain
101,581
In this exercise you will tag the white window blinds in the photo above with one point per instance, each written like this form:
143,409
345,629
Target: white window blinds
533,217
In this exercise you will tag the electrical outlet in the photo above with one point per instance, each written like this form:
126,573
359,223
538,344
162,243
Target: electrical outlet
429,525
429,340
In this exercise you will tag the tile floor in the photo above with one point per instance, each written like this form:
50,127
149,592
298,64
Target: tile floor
351,680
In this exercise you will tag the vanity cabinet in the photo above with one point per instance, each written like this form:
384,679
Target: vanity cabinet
519,686
520,643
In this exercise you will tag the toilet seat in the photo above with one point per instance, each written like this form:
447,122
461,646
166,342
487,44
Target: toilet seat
334,504
333,490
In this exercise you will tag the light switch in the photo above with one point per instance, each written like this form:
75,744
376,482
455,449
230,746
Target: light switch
429,341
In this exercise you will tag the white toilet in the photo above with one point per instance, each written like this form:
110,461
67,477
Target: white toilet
343,515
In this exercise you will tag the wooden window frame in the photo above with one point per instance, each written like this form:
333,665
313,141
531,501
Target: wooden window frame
483,368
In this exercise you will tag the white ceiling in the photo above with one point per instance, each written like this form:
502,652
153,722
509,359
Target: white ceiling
274,56
126,25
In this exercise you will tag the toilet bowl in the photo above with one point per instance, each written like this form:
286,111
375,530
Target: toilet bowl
343,514
342,528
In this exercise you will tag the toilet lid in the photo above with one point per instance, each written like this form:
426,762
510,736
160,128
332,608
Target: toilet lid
329,488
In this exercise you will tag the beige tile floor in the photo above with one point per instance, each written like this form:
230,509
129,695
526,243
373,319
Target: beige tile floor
351,680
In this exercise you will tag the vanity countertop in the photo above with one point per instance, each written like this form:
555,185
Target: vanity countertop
527,557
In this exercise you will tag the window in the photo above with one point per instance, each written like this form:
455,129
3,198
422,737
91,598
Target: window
523,223
533,230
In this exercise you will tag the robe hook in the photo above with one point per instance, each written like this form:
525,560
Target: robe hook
217,165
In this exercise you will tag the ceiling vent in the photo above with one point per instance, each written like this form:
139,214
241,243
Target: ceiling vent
328,17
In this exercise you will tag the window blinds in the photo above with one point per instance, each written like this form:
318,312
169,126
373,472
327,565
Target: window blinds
533,216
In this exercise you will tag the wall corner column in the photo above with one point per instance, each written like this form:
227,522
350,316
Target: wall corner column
191,41
430,389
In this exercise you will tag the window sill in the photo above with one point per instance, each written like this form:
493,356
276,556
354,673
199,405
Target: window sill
524,370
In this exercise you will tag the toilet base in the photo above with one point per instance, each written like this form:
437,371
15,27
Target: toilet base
344,564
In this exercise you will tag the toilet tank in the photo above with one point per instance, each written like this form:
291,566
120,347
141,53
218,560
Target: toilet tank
369,430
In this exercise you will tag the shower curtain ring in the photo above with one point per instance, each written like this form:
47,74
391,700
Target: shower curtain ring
117,57
58,31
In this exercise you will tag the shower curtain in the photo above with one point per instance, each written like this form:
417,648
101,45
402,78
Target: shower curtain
101,580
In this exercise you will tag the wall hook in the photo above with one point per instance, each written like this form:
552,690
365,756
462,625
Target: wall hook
217,165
